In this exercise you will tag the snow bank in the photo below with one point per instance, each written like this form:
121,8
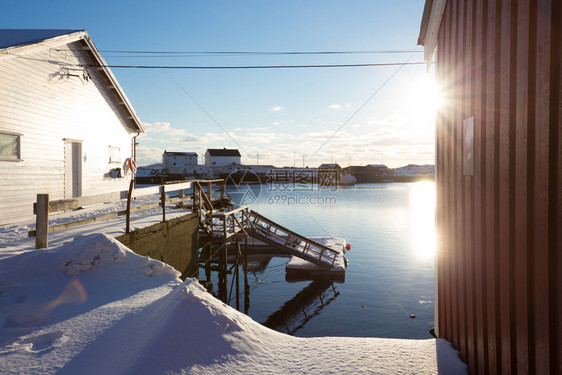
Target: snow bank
92,306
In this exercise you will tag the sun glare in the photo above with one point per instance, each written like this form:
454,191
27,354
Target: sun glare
424,97
423,219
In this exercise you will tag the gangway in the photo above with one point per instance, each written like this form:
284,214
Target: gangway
270,232
222,225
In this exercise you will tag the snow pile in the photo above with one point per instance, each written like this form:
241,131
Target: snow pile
97,250
93,254
99,313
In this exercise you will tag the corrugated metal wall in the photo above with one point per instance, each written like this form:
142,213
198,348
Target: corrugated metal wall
499,262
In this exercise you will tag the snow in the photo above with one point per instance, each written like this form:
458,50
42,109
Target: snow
91,306
334,243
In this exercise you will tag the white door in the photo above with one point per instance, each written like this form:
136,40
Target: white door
72,169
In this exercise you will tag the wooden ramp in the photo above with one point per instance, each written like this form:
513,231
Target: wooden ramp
270,232
223,225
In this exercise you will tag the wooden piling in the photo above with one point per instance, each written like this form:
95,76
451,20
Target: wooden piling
42,222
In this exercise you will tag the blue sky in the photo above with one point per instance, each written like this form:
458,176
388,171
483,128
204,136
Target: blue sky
274,115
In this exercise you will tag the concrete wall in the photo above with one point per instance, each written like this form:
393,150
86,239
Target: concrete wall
173,242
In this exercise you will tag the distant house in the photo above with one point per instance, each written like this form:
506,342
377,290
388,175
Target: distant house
66,127
415,170
376,167
369,173
330,166
222,157
178,160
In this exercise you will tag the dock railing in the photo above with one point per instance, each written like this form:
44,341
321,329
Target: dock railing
185,198
226,224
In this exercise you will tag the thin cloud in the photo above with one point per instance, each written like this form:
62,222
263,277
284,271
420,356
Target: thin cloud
275,108
161,127
336,107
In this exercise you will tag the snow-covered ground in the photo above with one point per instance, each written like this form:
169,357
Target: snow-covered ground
92,306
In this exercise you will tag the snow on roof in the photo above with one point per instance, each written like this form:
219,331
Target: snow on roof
174,153
18,37
223,152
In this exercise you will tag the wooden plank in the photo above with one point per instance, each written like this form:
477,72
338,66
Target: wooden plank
178,186
479,84
441,251
448,164
520,245
459,194
453,177
111,215
491,193
556,192
42,221
468,186
505,214
540,219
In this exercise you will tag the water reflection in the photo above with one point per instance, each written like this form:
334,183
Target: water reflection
304,306
390,273
422,197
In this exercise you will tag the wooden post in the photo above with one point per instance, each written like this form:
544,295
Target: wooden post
223,187
163,201
246,284
180,196
42,222
237,276
129,194
210,191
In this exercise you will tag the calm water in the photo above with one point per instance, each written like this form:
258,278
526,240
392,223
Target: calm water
390,274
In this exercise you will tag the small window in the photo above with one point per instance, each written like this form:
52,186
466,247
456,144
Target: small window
10,146
114,154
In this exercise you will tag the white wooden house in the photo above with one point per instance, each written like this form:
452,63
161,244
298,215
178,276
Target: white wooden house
66,127
176,162
221,157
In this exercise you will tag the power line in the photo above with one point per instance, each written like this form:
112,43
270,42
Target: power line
365,103
262,53
201,108
254,66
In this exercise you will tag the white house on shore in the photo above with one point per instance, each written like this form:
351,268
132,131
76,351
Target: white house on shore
174,162
221,157
66,127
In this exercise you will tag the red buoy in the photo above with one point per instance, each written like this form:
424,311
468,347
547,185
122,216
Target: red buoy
347,247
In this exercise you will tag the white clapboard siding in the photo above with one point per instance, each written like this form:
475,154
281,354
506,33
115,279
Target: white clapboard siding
44,104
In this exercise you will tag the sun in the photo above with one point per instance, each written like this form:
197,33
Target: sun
424,97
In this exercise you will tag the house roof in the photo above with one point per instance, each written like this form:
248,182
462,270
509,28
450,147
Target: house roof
223,152
377,165
19,37
180,153
334,165
14,40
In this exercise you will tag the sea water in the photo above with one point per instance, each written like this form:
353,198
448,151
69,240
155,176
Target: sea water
390,275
